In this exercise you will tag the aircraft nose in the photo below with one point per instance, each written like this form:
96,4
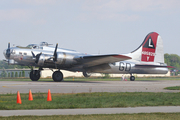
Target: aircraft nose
7,53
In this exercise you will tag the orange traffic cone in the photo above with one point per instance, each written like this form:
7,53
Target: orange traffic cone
30,95
49,96
18,98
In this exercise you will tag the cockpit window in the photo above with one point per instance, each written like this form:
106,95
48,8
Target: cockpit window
33,46
30,46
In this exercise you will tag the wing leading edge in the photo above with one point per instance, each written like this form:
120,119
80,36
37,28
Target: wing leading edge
94,60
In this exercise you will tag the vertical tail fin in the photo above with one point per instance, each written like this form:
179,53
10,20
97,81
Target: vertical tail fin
151,50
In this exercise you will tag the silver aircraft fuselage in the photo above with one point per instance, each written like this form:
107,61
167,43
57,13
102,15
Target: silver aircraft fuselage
148,58
67,61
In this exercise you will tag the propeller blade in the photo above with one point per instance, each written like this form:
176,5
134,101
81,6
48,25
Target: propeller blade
55,54
33,54
37,57
8,45
8,51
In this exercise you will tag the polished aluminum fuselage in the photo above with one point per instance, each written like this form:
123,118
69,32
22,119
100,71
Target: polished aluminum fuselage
67,60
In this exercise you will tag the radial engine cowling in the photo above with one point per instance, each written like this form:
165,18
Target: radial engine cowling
65,59
42,59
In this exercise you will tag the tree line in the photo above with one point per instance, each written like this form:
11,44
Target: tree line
172,60
4,65
5,74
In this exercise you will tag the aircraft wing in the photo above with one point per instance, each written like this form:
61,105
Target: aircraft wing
93,60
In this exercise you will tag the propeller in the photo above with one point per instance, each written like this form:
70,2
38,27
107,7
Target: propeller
55,54
8,53
54,57
36,57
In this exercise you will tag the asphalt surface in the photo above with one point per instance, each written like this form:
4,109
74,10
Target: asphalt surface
161,109
88,86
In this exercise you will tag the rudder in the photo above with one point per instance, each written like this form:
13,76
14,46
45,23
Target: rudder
151,50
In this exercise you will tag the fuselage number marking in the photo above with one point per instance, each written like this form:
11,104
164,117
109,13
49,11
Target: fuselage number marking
124,66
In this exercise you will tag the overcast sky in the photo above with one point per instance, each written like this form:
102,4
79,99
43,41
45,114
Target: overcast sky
90,26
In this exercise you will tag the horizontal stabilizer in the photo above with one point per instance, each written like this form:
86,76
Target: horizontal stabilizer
143,65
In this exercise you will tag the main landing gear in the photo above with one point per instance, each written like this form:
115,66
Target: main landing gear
35,75
57,76
132,78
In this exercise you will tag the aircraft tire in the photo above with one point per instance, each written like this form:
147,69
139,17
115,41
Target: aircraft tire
57,76
132,78
34,75
86,74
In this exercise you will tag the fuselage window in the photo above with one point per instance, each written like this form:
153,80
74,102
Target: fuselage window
20,53
25,53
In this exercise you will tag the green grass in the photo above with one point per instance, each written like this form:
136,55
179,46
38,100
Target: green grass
173,88
89,100
141,116
93,79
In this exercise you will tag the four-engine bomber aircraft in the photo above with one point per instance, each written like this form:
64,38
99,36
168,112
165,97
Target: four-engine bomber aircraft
148,58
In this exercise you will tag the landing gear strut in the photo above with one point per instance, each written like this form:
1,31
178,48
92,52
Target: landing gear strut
34,75
132,78
57,76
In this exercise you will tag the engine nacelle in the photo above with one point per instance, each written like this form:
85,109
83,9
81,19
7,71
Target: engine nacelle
43,58
65,59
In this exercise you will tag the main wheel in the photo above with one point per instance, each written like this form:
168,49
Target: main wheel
34,75
132,78
57,76
86,74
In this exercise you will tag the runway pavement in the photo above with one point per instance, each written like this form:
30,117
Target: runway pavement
87,86
162,109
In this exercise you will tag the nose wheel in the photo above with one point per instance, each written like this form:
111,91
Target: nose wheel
34,75
57,76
